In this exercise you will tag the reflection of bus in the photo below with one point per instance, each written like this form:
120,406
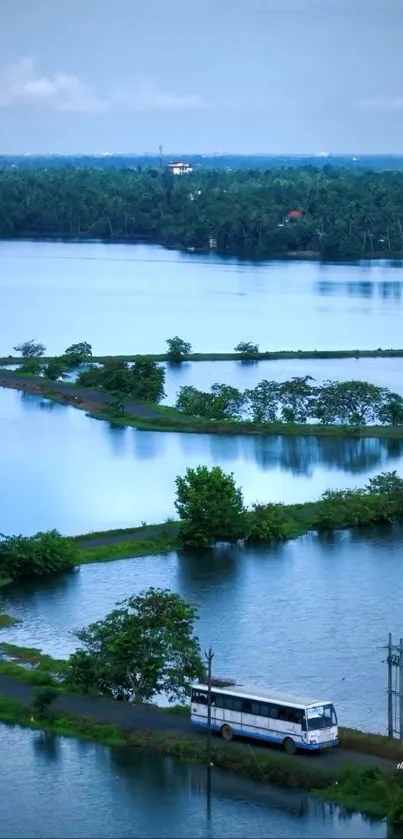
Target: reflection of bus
296,722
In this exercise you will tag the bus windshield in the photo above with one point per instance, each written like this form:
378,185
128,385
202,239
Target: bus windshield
323,716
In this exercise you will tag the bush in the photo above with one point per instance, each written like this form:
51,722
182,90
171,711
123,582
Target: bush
33,556
268,523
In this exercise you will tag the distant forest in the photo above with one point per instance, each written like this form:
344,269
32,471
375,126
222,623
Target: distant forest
335,213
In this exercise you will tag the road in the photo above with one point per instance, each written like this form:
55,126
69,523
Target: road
81,397
146,718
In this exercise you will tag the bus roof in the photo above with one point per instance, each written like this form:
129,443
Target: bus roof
262,693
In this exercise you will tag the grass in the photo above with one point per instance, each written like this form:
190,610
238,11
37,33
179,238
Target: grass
7,620
33,667
369,791
276,355
122,550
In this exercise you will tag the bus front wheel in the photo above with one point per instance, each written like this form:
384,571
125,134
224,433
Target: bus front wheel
289,746
227,732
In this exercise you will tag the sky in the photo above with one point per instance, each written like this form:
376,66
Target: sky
238,76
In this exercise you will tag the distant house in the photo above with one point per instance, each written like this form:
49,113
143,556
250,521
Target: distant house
293,215
178,167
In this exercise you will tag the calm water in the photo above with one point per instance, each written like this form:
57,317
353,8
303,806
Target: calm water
61,469
311,615
385,372
130,298
73,790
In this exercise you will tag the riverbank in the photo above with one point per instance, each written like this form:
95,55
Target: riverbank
364,782
153,417
275,355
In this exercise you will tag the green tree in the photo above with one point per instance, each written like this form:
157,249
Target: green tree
178,349
262,401
145,647
210,507
29,349
296,397
387,483
55,369
148,379
193,402
247,350
41,703
77,354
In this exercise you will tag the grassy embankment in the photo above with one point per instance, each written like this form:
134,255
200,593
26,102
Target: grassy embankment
355,787
153,417
275,355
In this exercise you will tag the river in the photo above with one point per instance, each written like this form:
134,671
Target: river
309,616
57,788
130,298
62,469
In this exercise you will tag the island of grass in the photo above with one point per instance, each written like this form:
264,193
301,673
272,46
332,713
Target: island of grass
117,409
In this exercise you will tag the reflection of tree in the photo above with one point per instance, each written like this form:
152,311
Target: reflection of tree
47,744
300,455
360,288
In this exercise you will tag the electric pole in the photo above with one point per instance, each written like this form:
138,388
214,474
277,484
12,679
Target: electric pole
395,694
209,658
160,150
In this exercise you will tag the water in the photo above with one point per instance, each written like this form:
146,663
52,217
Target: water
61,469
385,372
309,616
92,790
130,298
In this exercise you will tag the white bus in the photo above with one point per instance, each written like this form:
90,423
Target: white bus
296,722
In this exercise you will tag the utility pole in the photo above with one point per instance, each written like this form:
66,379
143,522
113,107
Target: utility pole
390,687
209,658
160,150
395,694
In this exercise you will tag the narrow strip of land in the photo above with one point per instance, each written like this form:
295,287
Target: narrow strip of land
163,418
147,718
275,355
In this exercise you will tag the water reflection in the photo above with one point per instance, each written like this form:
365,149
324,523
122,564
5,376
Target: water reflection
65,470
95,791
258,608
365,289
152,293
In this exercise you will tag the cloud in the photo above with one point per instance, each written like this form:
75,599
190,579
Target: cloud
22,84
148,98
381,104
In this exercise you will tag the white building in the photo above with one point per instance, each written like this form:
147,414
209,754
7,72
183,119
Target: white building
179,168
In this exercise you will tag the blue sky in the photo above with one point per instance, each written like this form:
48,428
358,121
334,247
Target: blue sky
275,76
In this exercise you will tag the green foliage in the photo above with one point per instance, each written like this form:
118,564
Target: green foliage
143,381
268,523
262,401
32,556
247,350
42,701
387,483
32,366
178,348
297,400
210,507
222,403
77,354
145,647
370,790
345,213
29,349
55,369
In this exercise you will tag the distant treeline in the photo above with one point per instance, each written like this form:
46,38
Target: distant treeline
335,213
